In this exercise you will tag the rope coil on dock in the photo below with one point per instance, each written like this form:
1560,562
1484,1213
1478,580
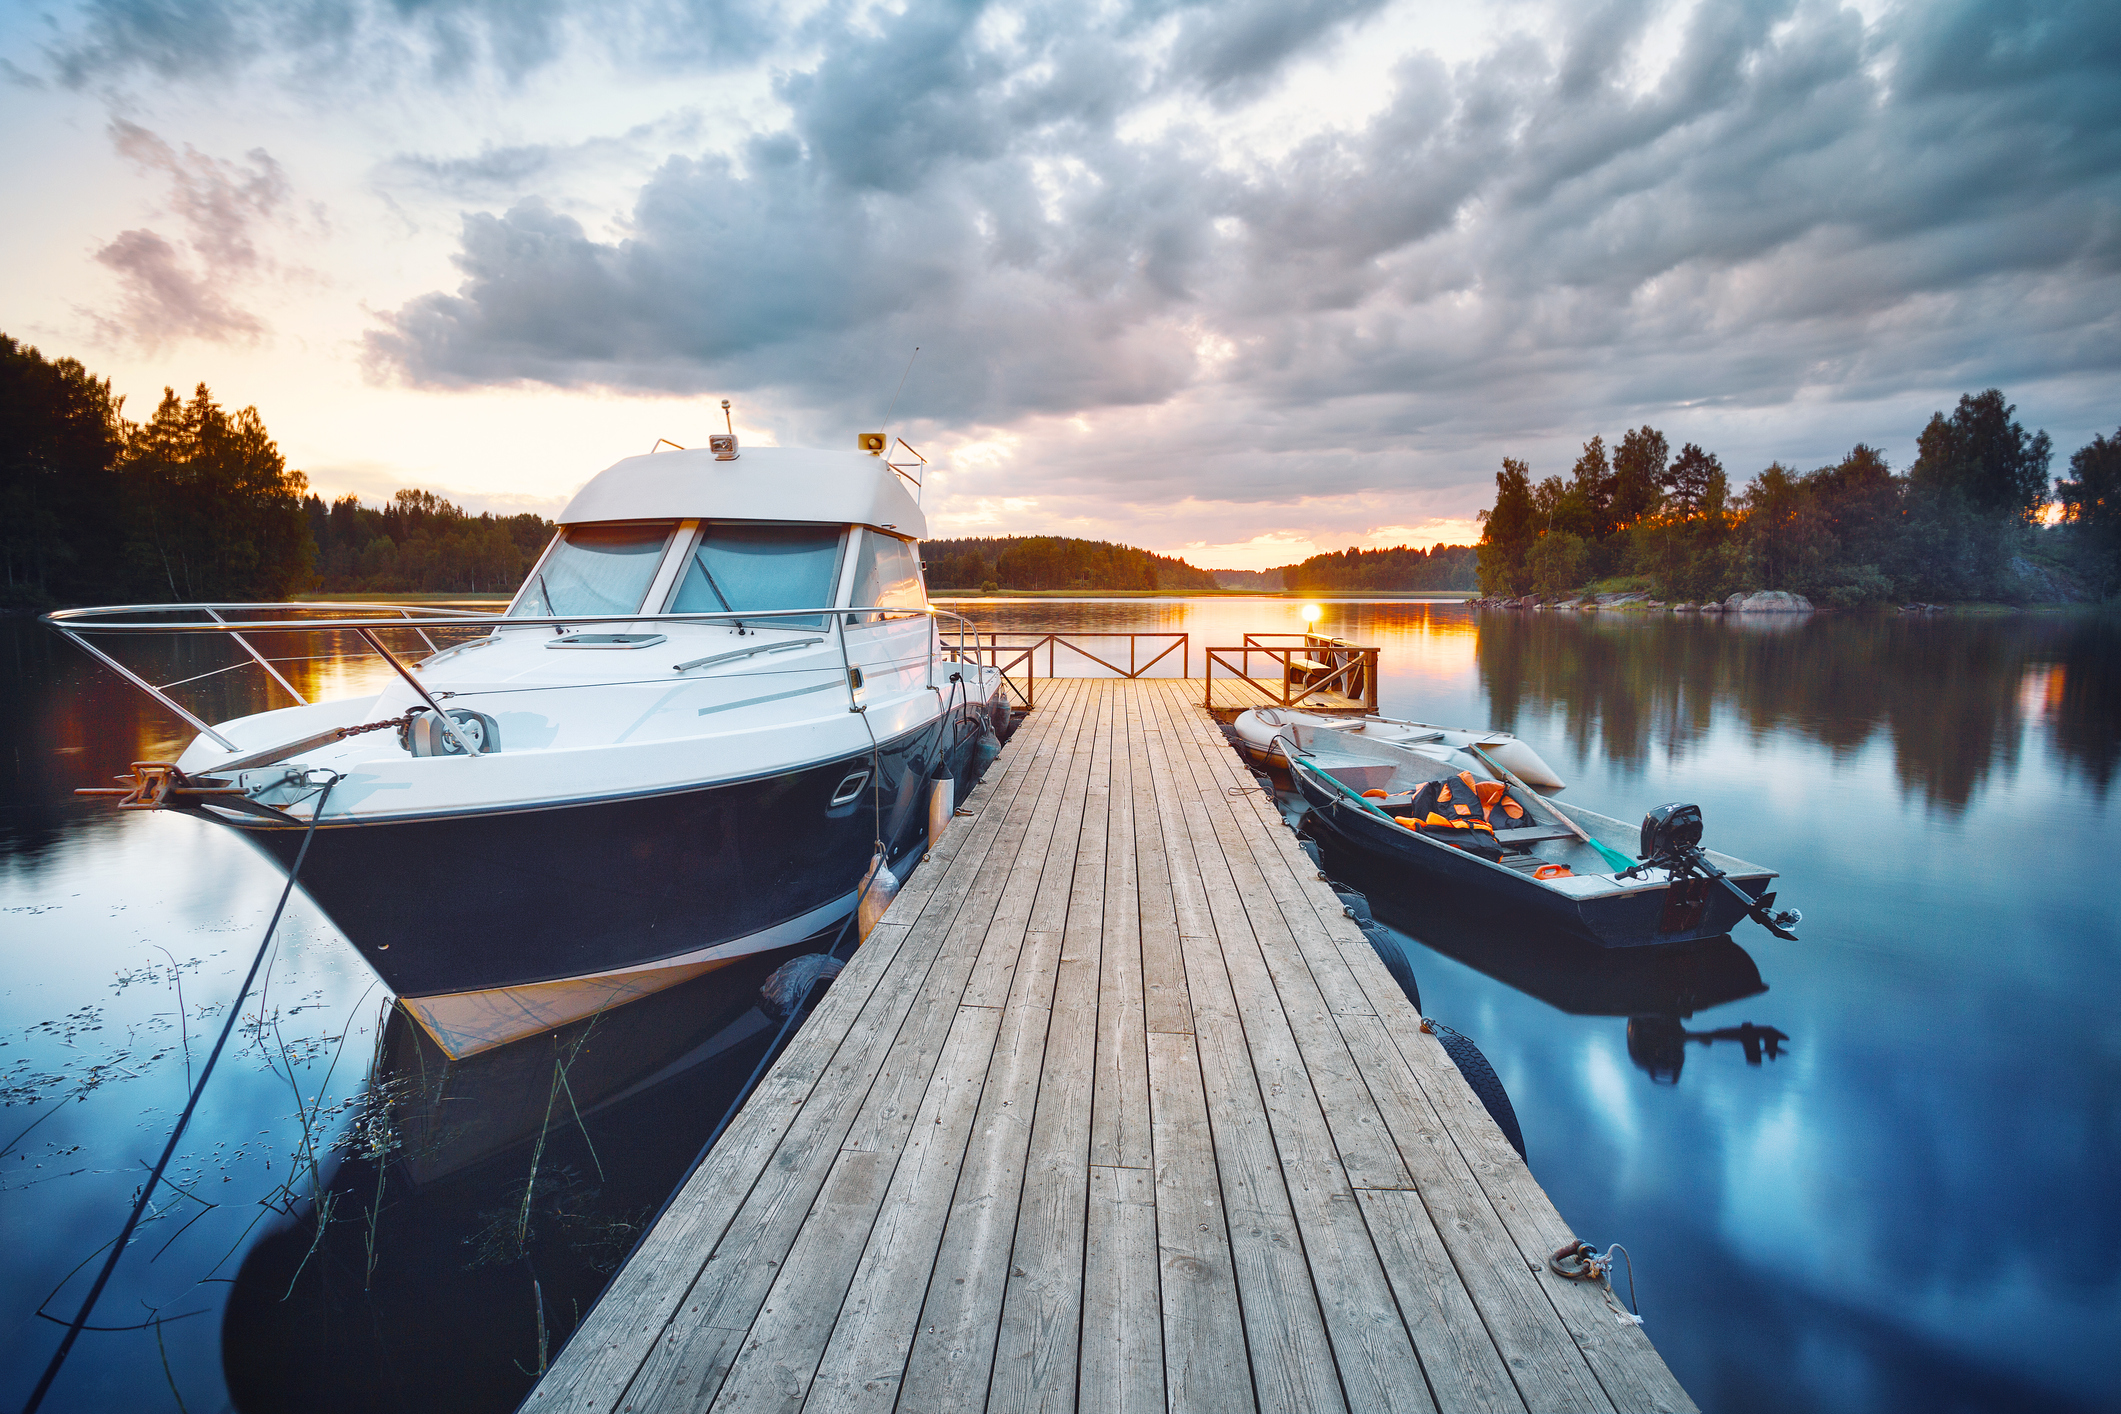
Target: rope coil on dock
1580,1261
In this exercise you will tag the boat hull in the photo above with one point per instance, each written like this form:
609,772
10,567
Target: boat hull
1635,918
490,926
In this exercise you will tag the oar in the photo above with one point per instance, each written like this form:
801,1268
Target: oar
1344,789
1611,856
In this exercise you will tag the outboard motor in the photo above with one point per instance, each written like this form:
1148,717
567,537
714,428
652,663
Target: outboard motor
1671,840
1669,829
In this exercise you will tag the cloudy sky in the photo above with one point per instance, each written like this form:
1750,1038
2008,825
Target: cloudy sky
1231,280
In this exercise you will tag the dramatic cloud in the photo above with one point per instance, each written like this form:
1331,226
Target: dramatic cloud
385,44
1794,203
1272,266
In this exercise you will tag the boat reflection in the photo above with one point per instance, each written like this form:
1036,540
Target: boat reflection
480,1205
1658,1044
1656,988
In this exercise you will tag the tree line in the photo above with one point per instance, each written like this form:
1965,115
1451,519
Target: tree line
197,503
1399,569
1964,522
419,542
1053,562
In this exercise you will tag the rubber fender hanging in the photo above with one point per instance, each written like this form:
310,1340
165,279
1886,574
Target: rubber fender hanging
1310,847
1482,1077
791,982
1385,943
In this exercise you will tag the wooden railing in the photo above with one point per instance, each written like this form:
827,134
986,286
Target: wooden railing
1009,652
1312,669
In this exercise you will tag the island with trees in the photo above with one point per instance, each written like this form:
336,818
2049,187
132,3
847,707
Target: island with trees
1975,518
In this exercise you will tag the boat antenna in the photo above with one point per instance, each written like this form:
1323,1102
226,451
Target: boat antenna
894,399
731,426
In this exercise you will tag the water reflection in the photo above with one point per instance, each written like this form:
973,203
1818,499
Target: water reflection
1656,988
327,1238
1658,1044
1953,696
482,1204
1936,791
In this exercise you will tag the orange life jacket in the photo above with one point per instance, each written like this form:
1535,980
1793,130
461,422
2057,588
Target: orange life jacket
1452,810
1500,811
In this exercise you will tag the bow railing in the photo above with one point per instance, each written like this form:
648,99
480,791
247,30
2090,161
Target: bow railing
440,630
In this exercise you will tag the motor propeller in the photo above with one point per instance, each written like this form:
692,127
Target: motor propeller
1671,841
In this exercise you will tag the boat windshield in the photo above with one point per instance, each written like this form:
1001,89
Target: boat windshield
595,569
751,565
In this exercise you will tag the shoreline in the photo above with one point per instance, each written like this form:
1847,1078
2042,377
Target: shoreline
974,596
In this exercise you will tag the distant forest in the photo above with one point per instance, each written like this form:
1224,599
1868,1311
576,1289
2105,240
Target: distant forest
1963,523
419,542
1399,569
196,503
1057,562
1053,562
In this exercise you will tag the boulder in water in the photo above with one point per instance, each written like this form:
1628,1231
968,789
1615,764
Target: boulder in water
1768,601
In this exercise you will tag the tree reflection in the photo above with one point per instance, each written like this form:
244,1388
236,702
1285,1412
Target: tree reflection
1950,694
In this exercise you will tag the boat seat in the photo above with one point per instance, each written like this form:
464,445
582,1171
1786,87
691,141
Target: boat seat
1533,834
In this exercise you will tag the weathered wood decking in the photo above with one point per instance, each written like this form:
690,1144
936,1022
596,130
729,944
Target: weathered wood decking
1116,1110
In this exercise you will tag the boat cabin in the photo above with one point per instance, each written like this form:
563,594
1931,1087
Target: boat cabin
765,530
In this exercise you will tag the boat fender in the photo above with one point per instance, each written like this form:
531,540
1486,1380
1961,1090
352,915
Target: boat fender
791,982
1310,847
1386,944
1482,1077
879,887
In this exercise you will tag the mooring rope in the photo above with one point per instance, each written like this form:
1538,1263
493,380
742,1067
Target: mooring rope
110,1263
1580,1261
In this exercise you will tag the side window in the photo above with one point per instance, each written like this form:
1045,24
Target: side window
888,574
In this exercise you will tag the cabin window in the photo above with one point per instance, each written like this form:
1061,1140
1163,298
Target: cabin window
595,569
739,566
888,574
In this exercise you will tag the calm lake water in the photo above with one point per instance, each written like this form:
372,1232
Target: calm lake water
1872,1170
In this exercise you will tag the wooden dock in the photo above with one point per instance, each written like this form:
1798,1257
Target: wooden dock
1115,1110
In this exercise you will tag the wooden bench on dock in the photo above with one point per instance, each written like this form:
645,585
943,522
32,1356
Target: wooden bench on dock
1115,1110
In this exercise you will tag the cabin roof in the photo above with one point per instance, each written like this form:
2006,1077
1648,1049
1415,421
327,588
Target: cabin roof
763,483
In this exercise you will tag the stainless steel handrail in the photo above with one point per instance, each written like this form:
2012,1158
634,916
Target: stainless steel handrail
367,620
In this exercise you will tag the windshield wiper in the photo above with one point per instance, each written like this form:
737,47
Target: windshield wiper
546,595
699,560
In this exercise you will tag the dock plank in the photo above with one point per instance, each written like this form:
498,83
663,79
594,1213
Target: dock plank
1037,1351
1207,1368
1123,1348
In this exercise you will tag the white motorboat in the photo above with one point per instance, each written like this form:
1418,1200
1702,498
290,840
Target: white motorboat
719,718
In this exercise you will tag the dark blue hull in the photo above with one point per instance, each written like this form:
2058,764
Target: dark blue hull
470,903
1637,918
